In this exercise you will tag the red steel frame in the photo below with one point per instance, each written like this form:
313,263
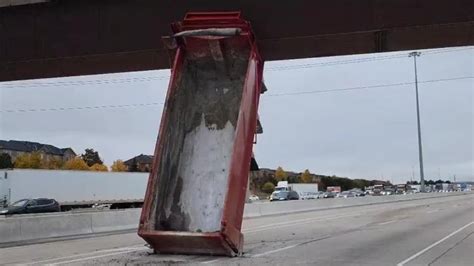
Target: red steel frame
229,240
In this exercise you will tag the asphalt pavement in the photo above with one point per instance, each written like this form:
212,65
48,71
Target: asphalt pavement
434,231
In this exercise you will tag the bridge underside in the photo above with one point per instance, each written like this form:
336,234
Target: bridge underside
77,37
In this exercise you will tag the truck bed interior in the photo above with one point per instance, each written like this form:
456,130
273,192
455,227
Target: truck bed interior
198,136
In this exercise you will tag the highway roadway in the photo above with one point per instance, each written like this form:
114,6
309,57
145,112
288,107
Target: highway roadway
434,231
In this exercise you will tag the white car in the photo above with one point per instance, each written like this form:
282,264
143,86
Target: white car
254,198
308,196
319,195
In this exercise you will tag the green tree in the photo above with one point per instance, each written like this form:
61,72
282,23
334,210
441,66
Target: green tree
29,160
429,182
99,168
268,187
76,164
360,183
91,157
306,177
5,161
280,174
118,166
294,179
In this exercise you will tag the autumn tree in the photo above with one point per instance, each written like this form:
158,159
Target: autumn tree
29,160
306,177
99,168
118,166
5,161
280,174
52,163
76,164
268,187
91,157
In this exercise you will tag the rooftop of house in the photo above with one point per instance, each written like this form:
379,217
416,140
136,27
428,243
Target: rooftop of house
140,159
28,146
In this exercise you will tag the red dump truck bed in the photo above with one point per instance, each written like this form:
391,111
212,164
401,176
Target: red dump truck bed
196,191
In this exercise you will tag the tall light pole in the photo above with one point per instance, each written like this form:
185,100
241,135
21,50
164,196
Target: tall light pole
420,149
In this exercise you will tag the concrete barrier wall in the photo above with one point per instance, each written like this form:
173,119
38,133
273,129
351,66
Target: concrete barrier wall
45,226
54,226
115,221
9,231
265,209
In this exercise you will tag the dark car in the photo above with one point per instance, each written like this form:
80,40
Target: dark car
284,195
358,192
330,194
32,206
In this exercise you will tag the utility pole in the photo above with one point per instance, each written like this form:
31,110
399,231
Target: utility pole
420,149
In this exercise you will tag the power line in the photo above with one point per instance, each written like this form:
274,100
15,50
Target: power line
366,87
448,50
342,89
58,109
361,60
332,63
270,69
81,83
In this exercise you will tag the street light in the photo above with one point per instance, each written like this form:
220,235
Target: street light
420,149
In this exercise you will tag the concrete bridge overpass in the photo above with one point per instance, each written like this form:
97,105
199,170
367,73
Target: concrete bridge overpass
55,38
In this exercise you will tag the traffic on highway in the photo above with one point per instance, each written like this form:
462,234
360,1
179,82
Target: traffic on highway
313,232
287,191
68,199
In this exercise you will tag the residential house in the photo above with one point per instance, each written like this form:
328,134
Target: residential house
15,148
140,163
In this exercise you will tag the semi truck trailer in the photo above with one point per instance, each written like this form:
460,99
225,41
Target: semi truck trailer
74,189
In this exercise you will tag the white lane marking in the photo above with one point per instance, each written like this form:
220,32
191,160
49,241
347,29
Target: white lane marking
210,261
98,256
287,224
282,224
387,222
84,254
274,251
302,221
294,222
250,230
433,245
279,225
432,211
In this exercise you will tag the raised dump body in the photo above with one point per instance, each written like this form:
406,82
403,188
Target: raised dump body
196,190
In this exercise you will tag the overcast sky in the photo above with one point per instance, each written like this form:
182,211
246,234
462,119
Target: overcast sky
358,133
